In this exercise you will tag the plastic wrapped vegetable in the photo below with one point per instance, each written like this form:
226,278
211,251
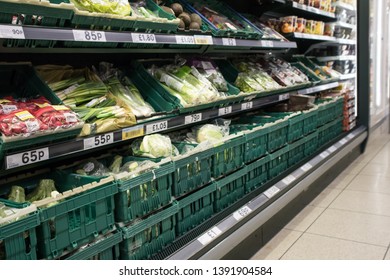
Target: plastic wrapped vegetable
17,194
210,71
209,132
57,117
154,146
117,7
20,123
92,167
43,190
116,164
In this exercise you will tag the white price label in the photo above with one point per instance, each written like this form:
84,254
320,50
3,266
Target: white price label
89,36
209,236
350,136
289,179
156,127
97,141
147,38
32,126
70,118
307,167
238,215
185,40
8,108
332,149
193,118
246,105
229,42
271,191
284,97
203,40
25,158
343,141
267,44
12,32
324,154
224,111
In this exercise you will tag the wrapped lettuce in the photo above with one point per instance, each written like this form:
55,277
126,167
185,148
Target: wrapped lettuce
17,194
154,146
116,7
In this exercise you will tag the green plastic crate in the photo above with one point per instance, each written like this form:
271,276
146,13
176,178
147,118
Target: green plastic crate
195,208
339,107
143,239
84,209
36,13
18,240
145,193
21,80
308,72
329,132
257,174
278,162
295,125
328,110
277,136
192,170
310,120
248,30
296,151
103,248
256,143
230,189
228,155
311,144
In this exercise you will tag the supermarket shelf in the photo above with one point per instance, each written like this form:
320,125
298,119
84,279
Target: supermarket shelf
346,41
95,36
62,149
312,10
336,58
345,6
305,36
222,237
318,88
348,77
345,25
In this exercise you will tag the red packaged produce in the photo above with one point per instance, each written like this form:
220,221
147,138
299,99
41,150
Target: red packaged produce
20,123
57,116
35,104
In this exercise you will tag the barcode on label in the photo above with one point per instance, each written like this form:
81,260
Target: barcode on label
209,236
238,215
203,40
271,191
307,167
132,132
224,111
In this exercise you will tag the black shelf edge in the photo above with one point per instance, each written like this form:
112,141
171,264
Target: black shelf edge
318,88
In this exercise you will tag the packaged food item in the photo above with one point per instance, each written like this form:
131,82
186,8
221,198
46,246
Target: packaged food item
319,28
288,24
301,25
21,123
310,24
57,116
329,29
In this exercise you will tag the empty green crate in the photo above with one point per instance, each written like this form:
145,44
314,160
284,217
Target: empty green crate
191,171
277,136
18,240
296,151
195,209
278,162
311,144
256,143
329,132
143,239
295,125
257,174
326,112
103,248
144,193
230,189
228,156
310,121
339,107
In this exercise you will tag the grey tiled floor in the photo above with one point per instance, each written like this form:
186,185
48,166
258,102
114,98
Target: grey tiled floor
349,220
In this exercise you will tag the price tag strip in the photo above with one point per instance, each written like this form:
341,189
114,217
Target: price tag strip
147,38
271,191
244,211
193,118
332,149
11,32
89,36
288,180
203,40
324,154
306,167
156,127
225,111
185,40
26,158
98,141
247,105
343,141
209,236
229,42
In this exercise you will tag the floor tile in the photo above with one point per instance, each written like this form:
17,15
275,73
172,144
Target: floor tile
371,203
354,168
305,218
376,169
315,247
277,246
359,227
383,157
342,181
370,183
387,257
325,198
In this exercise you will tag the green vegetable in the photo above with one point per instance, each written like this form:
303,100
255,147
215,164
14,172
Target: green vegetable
117,7
17,194
153,146
209,132
116,164
44,189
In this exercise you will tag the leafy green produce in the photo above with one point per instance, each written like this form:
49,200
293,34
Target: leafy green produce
43,190
116,164
92,167
17,194
117,7
209,132
154,146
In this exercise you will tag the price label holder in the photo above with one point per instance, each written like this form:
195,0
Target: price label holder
225,110
324,154
209,236
284,97
288,180
132,132
229,42
306,167
98,141
203,40
247,105
332,149
12,32
185,40
271,191
244,211
193,118
156,127
26,158
147,38
350,136
267,44
89,36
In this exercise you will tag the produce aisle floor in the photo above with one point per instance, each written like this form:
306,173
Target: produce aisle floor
349,220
